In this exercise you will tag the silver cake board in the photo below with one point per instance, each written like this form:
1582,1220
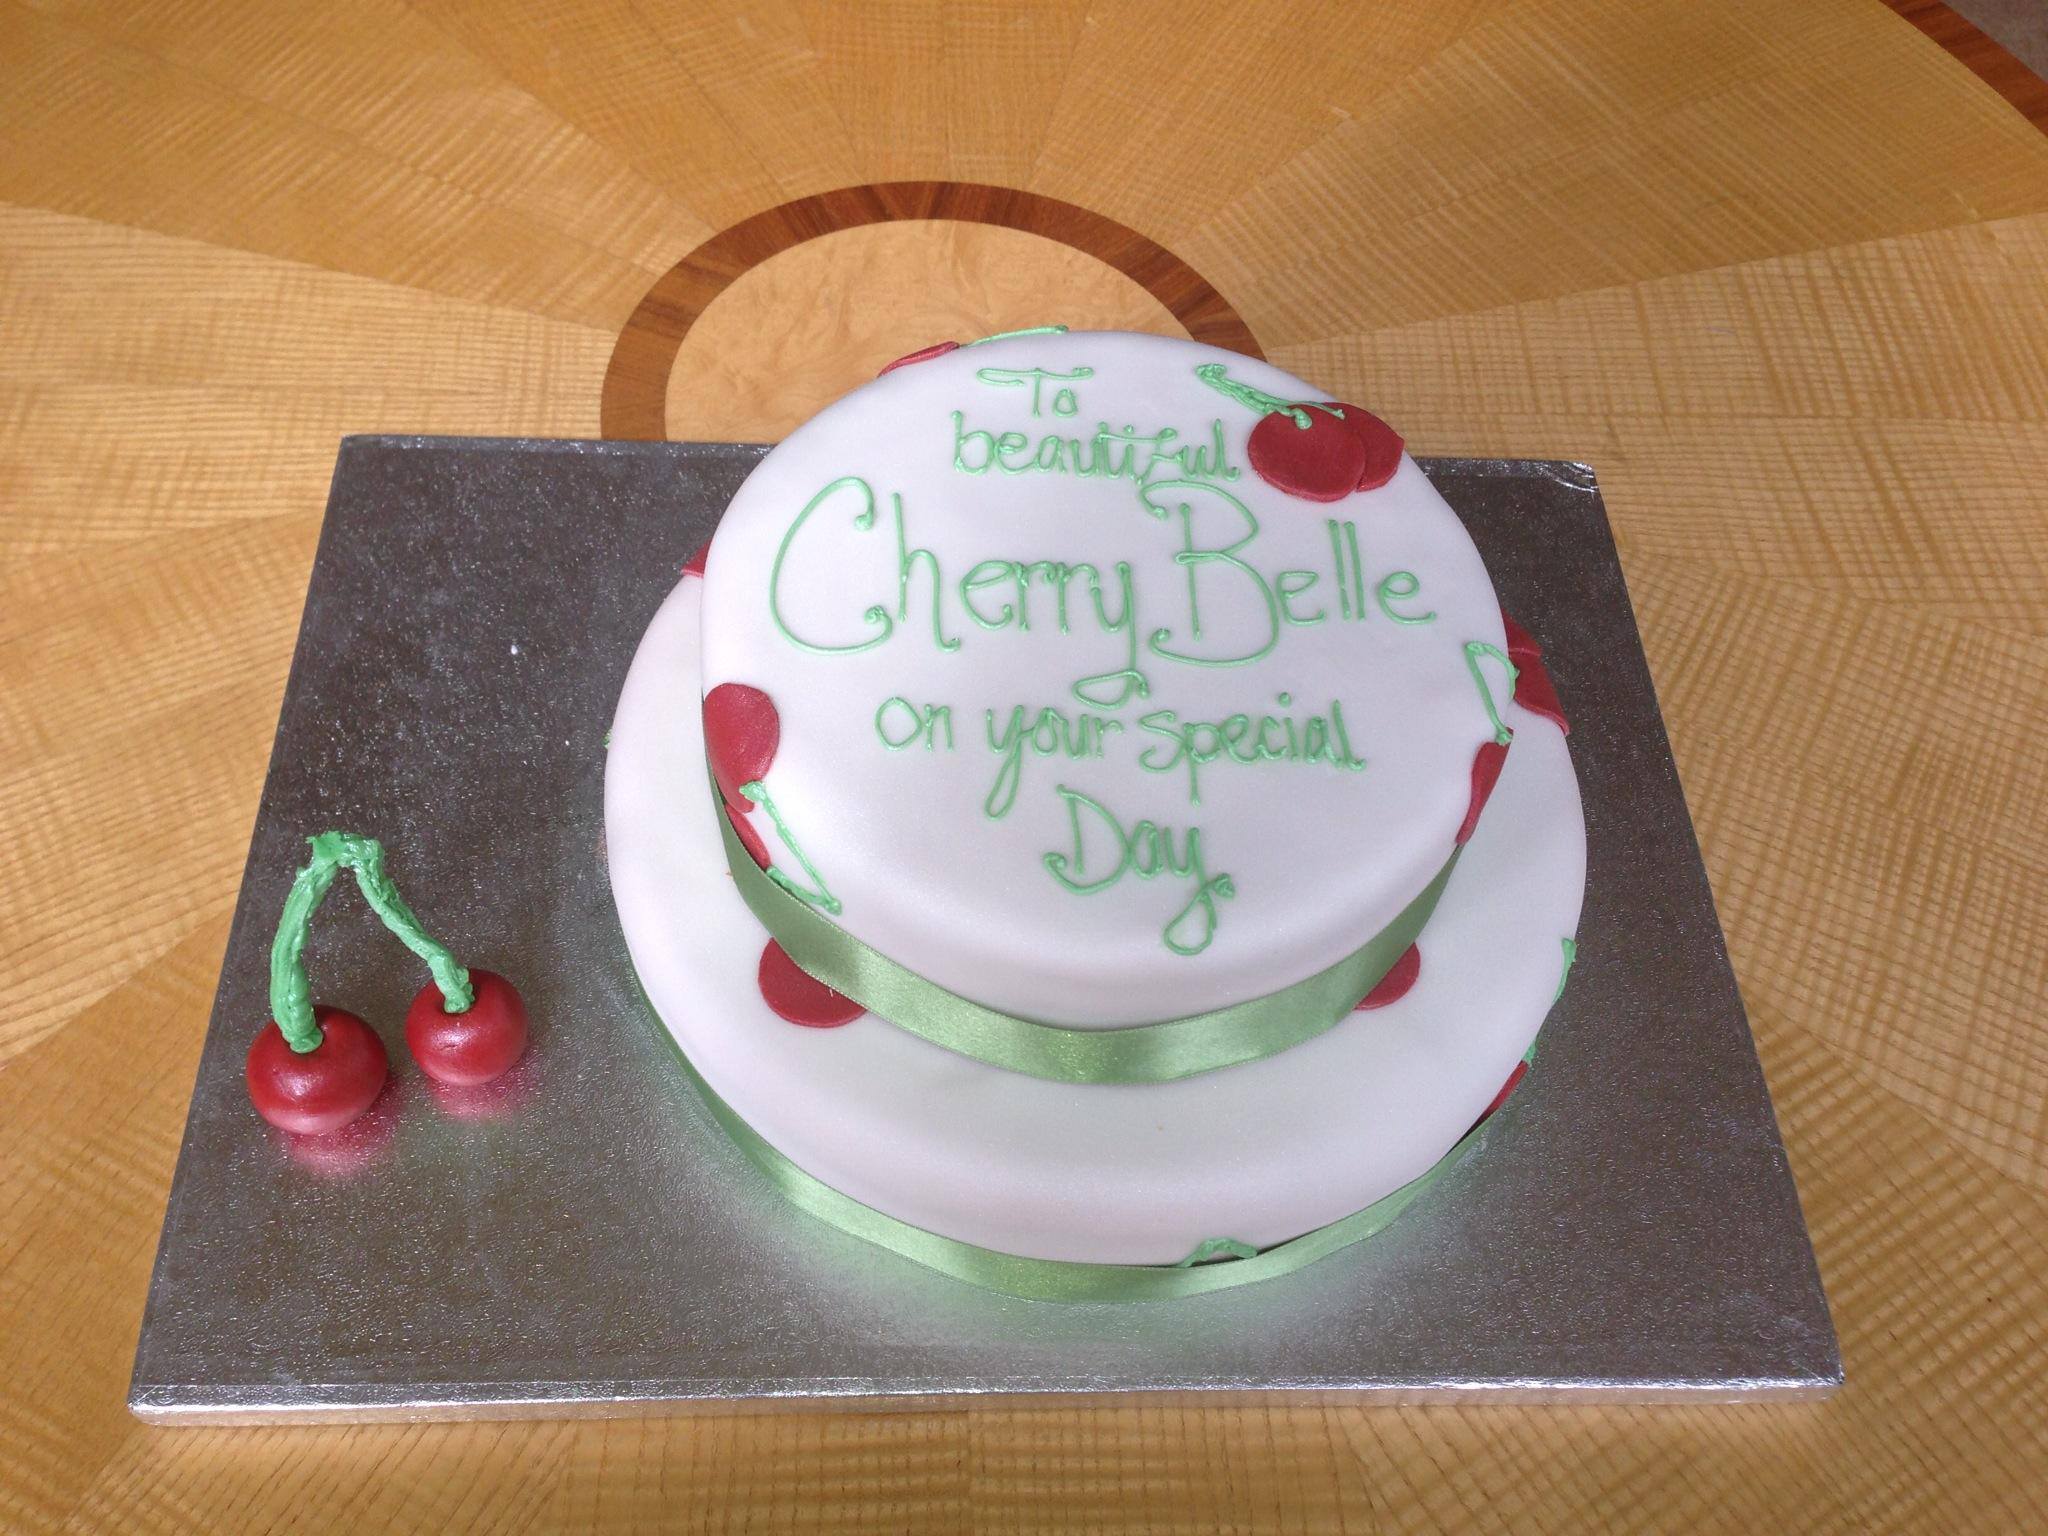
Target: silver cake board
582,1239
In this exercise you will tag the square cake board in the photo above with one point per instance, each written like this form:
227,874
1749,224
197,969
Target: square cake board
584,1240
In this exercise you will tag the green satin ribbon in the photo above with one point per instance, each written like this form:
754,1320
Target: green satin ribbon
1063,1279
1144,1053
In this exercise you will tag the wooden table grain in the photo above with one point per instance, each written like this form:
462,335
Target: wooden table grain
1779,271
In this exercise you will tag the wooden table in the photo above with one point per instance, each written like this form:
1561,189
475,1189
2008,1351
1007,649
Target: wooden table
1779,271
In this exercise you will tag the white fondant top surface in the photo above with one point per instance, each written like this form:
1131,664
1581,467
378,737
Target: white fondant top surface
1109,1174
1319,857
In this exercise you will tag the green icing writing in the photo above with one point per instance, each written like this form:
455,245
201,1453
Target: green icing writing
1571,955
1108,454
864,519
1288,590
908,561
1218,378
898,723
1474,650
1195,559
1063,402
1147,851
815,894
1349,565
290,1003
1394,586
1050,734
1241,738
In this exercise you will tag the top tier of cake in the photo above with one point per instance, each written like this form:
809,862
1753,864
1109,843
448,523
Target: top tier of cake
1084,710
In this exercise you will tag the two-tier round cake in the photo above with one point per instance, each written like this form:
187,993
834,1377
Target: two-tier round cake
1087,819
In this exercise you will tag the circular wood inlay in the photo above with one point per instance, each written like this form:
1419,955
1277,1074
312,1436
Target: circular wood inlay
634,403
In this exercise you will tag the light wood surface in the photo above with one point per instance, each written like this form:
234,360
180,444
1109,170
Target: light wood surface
1780,271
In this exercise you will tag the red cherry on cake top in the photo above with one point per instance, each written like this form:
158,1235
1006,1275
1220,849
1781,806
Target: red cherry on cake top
474,1046
1307,451
922,355
311,1093
741,733
1382,444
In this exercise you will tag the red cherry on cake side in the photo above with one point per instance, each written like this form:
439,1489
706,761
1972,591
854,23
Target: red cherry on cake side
750,839
1514,1081
312,1092
1393,986
474,1045
1521,645
800,997
741,733
1486,766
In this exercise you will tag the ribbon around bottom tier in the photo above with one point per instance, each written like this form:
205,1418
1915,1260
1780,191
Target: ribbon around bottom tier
1067,1280
1142,1053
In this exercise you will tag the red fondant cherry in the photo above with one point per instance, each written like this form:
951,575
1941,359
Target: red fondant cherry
741,733
798,996
475,1045
1535,692
922,355
694,566
1382,444
1514,1081
750,839
1522,647
1394,986
320,1090
1486,764
1319,462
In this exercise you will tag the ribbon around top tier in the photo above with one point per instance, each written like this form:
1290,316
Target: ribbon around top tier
1143,1053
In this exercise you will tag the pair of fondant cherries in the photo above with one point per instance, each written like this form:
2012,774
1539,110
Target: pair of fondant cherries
311,1093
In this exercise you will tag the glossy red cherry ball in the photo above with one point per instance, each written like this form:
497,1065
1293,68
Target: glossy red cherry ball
741,733
1318,462
326,1087
474,1046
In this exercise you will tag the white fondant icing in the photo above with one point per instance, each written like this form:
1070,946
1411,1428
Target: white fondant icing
1110,1174
1319,858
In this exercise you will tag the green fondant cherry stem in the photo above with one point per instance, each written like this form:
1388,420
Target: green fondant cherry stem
333,852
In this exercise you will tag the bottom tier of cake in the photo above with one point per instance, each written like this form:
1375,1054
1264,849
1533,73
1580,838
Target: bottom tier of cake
1233,1160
